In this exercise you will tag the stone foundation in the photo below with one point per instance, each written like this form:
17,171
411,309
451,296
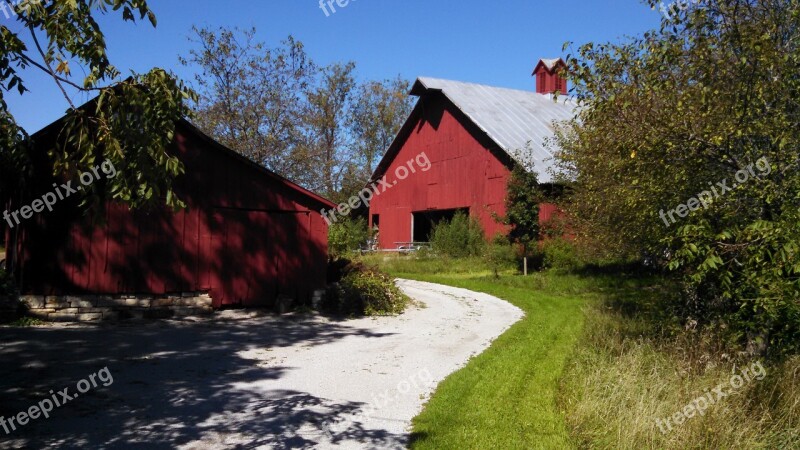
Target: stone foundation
93,308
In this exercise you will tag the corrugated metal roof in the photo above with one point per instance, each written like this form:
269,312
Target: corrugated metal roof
520,122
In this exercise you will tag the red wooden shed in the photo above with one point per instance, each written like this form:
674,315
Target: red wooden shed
473,136
246,236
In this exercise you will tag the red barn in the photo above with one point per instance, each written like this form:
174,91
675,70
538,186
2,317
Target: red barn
473,136
246,236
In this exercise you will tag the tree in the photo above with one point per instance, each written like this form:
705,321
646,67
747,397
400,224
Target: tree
130,123
380,109
328,108
253,98
314,125
686,149
522,207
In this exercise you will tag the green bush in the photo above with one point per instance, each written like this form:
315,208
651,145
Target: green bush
458,238
365,290
559,254
347,236
7,287
501,254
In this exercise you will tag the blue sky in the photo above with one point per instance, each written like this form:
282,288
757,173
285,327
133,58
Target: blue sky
496,43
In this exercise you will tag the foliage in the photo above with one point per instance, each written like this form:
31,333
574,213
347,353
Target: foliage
655,368
130,124
328,107
522,207
460,237
425,261
26,322
676,115
365,290
7,286
346,236
252,97
559,253
379,109
317,126
500,254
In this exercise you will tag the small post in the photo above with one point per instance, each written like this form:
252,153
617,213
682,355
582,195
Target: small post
525,265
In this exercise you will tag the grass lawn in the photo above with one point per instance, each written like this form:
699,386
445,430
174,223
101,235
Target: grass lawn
594,364
507,397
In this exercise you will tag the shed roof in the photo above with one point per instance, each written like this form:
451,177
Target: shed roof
49,132
519,122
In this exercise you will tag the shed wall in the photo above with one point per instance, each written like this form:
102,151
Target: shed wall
245,237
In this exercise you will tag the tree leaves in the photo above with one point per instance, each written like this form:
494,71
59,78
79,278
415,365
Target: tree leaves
671,116
130,124
316,126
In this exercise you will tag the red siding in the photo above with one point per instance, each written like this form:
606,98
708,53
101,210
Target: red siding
246,237
464,174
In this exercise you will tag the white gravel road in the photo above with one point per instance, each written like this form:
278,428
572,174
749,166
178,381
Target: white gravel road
253,380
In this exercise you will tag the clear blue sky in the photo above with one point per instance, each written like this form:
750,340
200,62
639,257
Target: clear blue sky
490,42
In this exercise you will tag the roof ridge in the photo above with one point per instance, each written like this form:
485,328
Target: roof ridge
482,85
519,122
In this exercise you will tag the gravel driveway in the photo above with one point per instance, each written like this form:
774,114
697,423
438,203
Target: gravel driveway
245,379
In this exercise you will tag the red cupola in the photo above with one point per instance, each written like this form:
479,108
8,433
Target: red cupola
548,76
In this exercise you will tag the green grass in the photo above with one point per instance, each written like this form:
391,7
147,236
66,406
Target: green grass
632,367
506,398
597,359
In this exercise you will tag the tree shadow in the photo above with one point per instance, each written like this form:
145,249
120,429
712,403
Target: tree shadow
175,383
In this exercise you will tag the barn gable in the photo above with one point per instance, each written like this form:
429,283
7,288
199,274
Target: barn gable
473,135
519,122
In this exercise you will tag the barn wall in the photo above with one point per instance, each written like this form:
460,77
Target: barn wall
246,237
464,174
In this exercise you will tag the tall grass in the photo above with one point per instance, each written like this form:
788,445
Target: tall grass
631,368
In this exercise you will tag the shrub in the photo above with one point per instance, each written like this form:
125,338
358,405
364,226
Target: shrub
559,254
365,290
346,236
500,254
7,287
458,238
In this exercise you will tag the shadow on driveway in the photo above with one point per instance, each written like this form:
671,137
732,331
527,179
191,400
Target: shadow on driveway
174,383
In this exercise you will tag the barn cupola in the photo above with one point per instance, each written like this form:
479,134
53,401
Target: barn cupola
548,76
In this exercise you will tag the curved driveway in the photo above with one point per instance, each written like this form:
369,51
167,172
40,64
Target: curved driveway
245,379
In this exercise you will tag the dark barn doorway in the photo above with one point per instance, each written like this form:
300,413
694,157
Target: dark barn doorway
425,220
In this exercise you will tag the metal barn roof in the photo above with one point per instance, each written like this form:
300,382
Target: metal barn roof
520,122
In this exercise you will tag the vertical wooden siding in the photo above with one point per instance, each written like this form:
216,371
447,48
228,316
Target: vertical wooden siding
464,174
246,237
